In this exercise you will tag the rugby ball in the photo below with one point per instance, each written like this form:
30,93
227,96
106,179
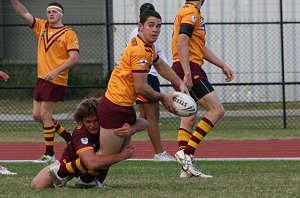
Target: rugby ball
185,104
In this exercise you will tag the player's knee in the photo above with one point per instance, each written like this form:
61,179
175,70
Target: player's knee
35,185
46,115
154,118
37,117
219,113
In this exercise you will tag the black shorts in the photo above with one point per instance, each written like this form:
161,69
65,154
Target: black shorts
200,89
154,83
201,86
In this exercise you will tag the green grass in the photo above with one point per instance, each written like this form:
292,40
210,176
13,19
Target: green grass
152,179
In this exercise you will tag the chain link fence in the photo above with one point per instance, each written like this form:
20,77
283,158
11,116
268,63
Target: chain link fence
259,42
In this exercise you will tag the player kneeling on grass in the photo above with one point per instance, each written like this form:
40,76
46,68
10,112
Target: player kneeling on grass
79,158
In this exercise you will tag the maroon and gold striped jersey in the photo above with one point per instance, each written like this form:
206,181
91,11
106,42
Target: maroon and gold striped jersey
81,141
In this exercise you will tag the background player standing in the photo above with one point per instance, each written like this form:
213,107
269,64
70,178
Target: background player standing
189,52
58,51
149,108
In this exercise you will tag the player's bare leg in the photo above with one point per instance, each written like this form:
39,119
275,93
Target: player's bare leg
150,111
43,112
110,143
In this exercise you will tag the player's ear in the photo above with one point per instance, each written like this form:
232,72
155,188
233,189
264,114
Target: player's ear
140,26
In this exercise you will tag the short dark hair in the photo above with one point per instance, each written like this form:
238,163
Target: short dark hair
145,7
149,13
56,4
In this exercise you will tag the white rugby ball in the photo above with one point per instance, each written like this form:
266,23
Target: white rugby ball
185,104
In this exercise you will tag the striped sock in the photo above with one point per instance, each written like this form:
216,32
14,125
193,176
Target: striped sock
49,140
183,138
203,127
60,130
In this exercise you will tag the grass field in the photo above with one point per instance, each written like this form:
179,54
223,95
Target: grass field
150,179
153,179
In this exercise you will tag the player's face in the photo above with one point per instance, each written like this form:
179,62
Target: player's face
91,123
53,16
150,29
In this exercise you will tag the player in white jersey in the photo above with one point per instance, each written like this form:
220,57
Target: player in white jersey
149,108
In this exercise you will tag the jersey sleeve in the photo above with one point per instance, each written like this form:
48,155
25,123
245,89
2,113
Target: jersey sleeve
191,17
72,41
188,22
81,140
139,61
38,26
140,55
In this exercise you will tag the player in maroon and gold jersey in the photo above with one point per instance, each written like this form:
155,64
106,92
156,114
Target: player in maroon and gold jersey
79,158
189,52
58,51
129,78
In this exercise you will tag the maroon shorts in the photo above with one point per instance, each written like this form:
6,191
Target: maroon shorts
112,116
197,72
48,91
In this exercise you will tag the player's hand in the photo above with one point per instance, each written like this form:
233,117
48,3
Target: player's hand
228,73
127,151
168,103
4,76
125,131
184,89
50,75
188,81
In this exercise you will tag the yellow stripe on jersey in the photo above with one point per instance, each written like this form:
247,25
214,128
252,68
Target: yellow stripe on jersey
188,17
78,164
70,168
84,149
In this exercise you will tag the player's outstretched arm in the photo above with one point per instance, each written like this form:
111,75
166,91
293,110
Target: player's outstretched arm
23,12
93,161
166,72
